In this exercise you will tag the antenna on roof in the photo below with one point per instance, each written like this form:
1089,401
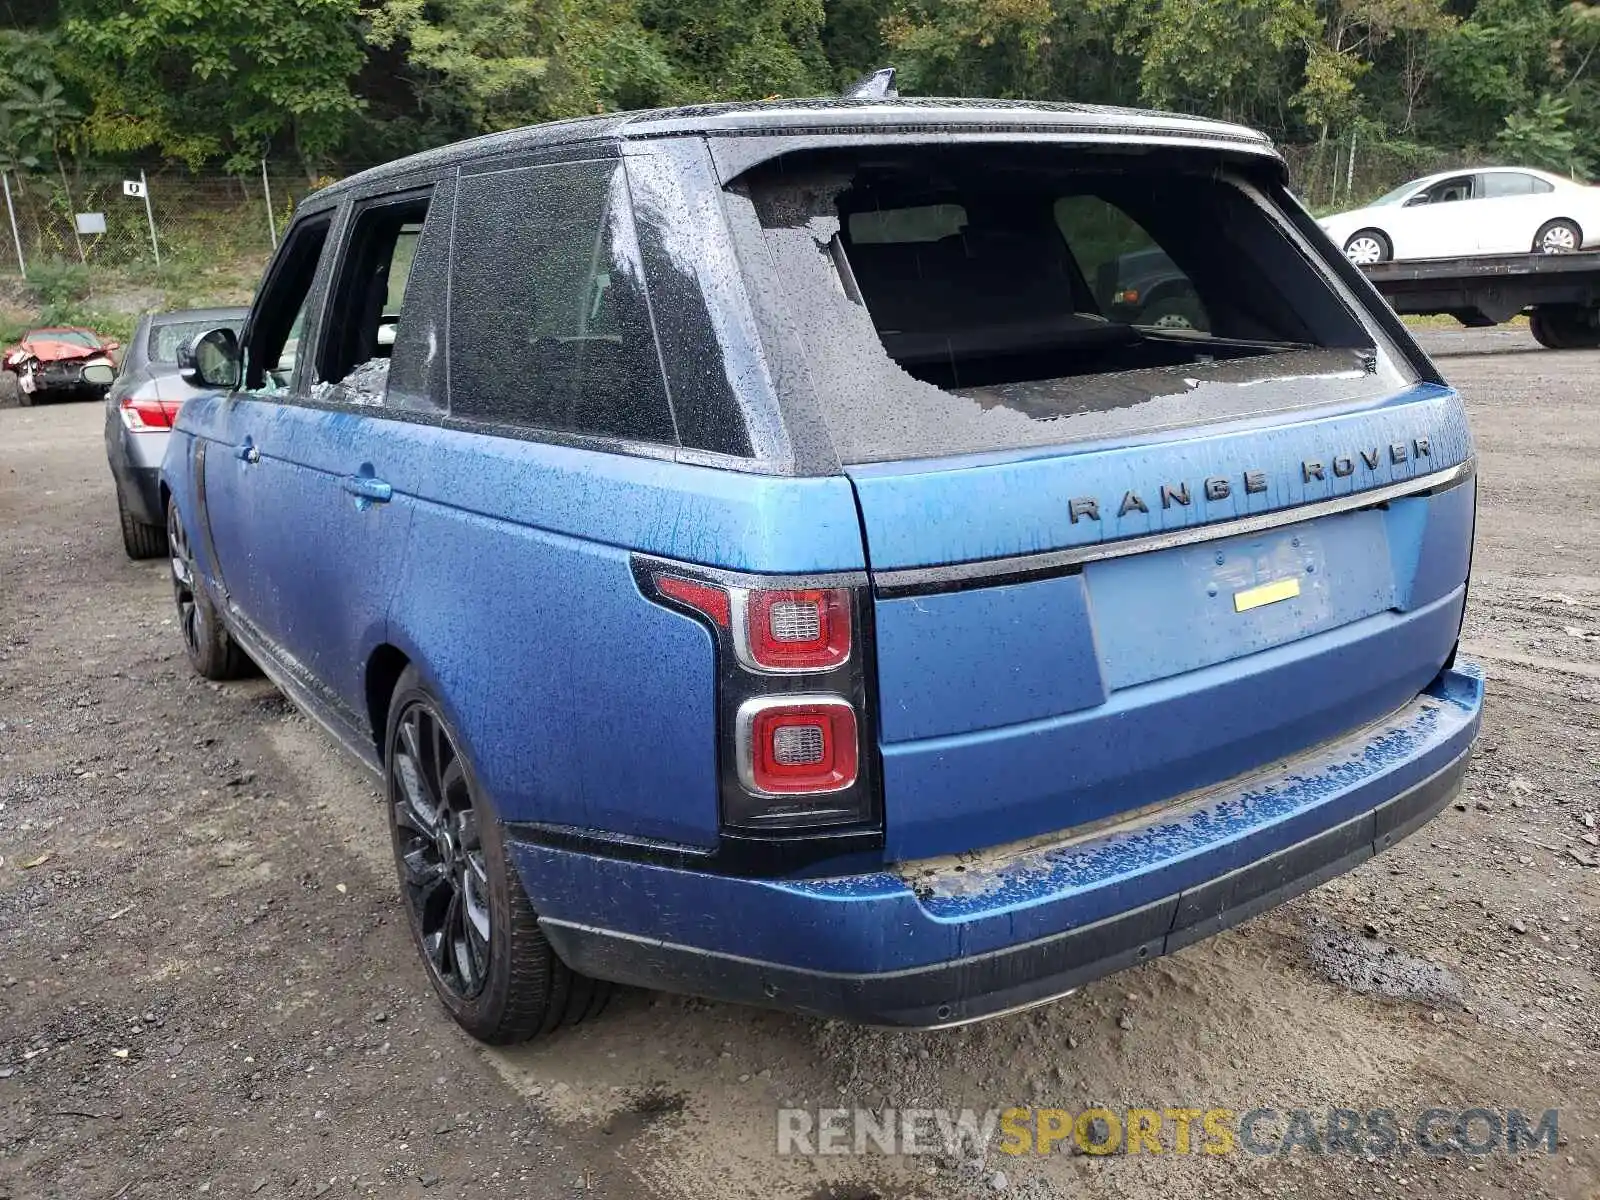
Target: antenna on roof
875,85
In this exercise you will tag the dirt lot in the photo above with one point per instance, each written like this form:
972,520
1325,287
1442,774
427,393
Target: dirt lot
206,986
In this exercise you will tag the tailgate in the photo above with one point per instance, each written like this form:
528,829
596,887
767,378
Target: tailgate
1062,637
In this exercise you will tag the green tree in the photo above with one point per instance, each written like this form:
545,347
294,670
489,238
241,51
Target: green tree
1541,137
1494,63
974,47
45,116
206,79
497,64
741,49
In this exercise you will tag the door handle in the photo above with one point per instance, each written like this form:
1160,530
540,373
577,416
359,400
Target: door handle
247,453
366,487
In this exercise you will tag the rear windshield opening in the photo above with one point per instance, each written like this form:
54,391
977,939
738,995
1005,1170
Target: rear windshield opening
1044,295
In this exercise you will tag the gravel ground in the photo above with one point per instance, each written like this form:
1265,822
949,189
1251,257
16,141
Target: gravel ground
207,986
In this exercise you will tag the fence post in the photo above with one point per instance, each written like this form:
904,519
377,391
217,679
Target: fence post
149,215
12,213
266,187
1350,175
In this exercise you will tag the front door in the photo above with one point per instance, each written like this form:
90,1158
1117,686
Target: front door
241,475
1445,225
341,526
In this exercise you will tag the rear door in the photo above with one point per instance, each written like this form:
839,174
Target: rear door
1113,560
1511,209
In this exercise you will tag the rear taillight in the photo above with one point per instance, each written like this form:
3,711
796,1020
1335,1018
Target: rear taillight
797,744
792,693
143,414
792,630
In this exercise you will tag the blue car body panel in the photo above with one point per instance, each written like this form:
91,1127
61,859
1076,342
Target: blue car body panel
1153,681
928,913
990,506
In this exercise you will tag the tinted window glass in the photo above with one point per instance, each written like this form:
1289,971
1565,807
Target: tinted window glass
417,363
549,327
1542,185
707,339
1508,183
278,321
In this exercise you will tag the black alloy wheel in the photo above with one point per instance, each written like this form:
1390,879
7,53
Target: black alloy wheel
211,649
442,870
190,618
473,924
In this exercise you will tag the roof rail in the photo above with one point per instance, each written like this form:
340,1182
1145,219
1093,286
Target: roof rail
874,85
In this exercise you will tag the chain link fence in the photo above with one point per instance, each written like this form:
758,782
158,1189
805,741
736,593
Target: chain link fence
123,218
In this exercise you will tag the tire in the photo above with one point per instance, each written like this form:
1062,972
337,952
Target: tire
488,961
1558,237
1564,327
211,649
1367,246
138,539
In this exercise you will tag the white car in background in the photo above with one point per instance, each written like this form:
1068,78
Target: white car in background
1489,210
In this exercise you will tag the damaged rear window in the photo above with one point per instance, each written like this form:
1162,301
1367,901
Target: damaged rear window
958,299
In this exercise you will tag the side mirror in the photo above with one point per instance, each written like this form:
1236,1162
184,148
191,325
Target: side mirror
99,374
1419,198
211,360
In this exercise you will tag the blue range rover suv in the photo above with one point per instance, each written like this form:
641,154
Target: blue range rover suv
758,566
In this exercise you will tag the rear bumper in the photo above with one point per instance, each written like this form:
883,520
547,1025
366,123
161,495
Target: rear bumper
943,942
135,461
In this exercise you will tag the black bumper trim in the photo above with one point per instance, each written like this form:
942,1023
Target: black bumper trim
1015,977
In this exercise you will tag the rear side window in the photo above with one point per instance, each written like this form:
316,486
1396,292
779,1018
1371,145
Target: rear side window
549,327
989,297
1513,183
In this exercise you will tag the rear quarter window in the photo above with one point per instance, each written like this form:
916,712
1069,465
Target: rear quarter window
549,326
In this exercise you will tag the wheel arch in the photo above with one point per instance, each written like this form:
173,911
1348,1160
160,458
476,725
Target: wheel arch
1538,234
385,665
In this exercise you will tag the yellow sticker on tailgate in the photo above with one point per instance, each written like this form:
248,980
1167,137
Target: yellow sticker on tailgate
1266,593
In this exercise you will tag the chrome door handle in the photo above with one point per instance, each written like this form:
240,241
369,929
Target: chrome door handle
365,487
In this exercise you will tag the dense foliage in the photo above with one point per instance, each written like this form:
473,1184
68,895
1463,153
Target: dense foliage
335,83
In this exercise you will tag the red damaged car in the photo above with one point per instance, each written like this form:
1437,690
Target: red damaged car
61,363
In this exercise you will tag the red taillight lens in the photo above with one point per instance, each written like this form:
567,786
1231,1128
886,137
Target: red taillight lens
802,630
790,745
141,414
704,598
